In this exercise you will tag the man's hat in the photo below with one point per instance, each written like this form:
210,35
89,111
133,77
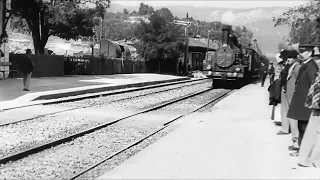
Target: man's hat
28,51
285,54
306,47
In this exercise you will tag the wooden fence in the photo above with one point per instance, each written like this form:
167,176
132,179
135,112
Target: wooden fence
53,65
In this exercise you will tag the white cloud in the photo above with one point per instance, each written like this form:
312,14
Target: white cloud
236,4
242,18
228,18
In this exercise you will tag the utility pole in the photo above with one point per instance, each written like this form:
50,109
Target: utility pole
187,47
208,45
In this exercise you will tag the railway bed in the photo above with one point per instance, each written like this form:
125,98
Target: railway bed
27,134
56,106
104,129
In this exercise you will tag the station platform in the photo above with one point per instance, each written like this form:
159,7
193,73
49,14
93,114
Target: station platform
235,140
11,89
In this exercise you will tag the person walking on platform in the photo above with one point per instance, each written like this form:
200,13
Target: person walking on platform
306,76
275,94
263,73
309,154
271,73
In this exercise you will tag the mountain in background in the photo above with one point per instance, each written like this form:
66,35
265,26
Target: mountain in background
258,20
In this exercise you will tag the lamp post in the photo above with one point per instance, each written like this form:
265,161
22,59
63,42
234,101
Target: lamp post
187,47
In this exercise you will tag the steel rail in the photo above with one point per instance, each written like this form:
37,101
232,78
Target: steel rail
88,106
165,125
100,94
50,144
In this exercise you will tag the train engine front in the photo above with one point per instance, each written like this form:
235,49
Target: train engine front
229,62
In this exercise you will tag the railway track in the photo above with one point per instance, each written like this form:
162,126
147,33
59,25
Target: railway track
164,126
34,150
78,98
99,94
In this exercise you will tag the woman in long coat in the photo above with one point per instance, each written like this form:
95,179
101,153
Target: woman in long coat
291,80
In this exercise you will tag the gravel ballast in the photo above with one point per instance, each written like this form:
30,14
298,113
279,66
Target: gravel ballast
105,100
115,161
23,135
63,161
148,101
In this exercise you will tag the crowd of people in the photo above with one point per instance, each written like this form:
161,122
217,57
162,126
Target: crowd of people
295,96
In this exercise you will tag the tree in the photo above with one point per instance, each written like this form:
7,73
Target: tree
244,35
116,28
301,21
125,11
144,9
70,19
165,13
160,40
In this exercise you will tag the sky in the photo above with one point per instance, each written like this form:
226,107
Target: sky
235,4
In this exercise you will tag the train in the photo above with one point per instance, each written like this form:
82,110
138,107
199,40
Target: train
234,61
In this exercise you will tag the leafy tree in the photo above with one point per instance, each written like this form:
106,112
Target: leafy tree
244,35
144,9
116,28
70,19
160,40
301,21
165,13
134,13
125,11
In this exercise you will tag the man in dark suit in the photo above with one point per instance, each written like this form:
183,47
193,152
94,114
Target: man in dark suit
271,73
263,71
306,76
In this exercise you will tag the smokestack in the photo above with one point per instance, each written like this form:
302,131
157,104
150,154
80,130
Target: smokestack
226,29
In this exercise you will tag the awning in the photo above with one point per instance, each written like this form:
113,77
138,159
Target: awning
200,43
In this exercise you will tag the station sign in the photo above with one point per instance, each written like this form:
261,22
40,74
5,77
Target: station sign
185,23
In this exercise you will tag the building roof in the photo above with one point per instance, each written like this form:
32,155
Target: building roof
202,43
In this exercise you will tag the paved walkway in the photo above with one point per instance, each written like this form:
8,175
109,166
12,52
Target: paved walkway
237,140
12,88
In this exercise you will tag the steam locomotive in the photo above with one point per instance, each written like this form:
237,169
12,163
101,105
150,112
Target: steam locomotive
234,61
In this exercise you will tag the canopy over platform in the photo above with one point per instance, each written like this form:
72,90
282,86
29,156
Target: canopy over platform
201,45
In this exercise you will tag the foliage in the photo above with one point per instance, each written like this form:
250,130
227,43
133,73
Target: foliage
115,27
244,35
125,12
144,9
160,39
66,19
165,13
301,21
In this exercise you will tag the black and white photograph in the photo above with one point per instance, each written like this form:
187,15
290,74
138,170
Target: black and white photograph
159,89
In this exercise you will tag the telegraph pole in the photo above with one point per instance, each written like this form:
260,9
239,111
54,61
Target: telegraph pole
187,47
208,45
